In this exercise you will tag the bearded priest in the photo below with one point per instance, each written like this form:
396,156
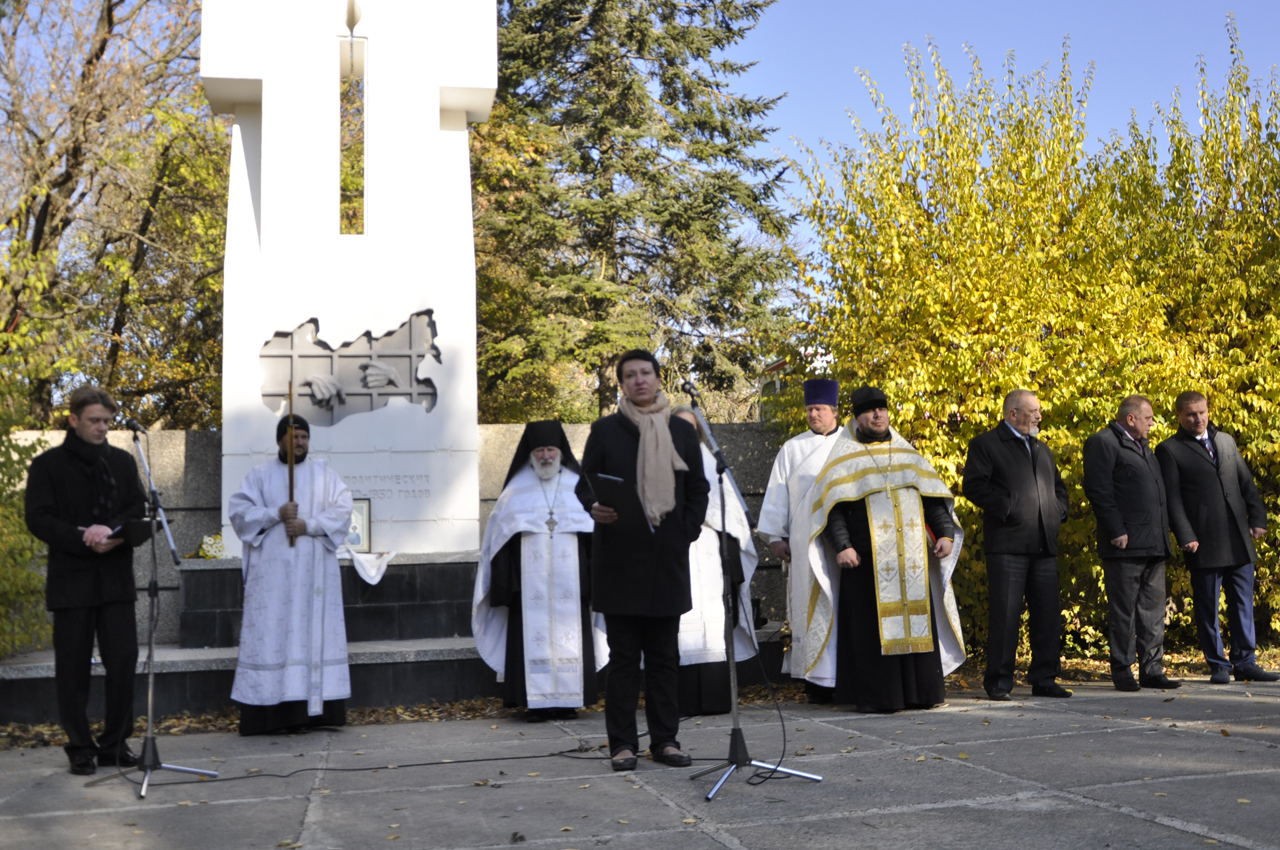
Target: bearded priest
883,627
292,671
531,614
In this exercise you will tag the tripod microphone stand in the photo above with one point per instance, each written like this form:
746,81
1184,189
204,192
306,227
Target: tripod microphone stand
738,756
149,760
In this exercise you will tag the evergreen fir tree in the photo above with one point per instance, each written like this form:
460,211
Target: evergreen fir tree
620,202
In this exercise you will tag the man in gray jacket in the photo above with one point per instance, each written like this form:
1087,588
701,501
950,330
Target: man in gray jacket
1123,482
1216,514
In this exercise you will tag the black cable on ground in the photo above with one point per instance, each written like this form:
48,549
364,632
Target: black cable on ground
762,776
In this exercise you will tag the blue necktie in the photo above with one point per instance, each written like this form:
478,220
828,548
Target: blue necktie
1208,446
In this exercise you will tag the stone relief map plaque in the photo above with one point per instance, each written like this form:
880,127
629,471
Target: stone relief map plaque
330,384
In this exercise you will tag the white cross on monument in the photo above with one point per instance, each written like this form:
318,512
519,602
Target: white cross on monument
386,372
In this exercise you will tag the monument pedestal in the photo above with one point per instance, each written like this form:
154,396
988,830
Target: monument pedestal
419,597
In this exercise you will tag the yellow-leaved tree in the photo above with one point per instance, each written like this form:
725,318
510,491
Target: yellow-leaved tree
977,248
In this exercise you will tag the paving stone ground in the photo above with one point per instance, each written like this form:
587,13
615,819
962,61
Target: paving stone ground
1188,768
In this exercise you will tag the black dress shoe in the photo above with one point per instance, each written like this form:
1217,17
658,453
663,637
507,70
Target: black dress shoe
1162,681
1254,673
1219,676
84,765
1053,689
998,696
674,759
121,758
621,764
1128,685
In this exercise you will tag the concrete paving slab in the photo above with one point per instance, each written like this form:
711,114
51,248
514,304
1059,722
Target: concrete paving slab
574,810
1239,803
1003,823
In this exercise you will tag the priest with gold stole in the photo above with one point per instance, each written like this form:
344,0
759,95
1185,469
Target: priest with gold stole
882,620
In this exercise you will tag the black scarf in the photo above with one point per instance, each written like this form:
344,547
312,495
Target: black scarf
94,460
864,437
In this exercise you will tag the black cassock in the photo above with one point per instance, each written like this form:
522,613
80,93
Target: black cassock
866,677
504,589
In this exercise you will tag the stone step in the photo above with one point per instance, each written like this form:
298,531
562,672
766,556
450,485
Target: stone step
383,673
419,596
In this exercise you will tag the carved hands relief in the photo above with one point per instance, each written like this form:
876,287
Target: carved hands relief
356,377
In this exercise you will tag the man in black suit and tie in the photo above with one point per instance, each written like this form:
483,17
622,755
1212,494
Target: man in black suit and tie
1122,479
1014,479
1216,514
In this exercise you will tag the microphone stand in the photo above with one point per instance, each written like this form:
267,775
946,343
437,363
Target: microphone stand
149,760
738,756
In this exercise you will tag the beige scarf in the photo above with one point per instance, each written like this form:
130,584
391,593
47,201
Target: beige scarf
657,461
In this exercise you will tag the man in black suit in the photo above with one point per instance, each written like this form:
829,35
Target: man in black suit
1123,482
80,496
1216,514
1014,479
640,578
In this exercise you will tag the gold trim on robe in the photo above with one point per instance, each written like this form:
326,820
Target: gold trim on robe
892,478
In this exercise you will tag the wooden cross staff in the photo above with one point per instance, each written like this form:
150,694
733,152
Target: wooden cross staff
289,452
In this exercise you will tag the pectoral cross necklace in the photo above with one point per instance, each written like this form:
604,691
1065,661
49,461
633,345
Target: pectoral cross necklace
551,504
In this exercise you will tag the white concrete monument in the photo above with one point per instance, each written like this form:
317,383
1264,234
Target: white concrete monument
376,330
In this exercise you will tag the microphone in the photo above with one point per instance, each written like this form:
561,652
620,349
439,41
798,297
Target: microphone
134,425
689,388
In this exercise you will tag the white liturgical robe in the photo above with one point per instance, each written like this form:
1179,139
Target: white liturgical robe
550,597
785,513
702,627
293,640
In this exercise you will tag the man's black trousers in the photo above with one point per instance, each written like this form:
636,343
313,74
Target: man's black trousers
1010,579
657,638
1135,615
73,632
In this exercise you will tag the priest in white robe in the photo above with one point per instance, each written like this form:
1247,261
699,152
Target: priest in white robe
292,671
784,515
531,615
704,667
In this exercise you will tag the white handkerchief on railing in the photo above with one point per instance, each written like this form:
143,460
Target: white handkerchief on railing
370,565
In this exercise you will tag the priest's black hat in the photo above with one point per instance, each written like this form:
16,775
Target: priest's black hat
822,391
545,432
299,424
868,398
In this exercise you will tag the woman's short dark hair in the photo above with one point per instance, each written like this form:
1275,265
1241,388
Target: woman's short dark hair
87,395
638,354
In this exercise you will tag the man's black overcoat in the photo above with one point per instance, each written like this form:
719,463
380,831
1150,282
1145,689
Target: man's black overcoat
1000,479
62,497
1125,487
638,573
1215,505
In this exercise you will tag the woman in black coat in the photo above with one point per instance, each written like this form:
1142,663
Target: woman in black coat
640,579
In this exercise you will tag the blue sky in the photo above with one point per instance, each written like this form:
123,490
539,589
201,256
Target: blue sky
1141,50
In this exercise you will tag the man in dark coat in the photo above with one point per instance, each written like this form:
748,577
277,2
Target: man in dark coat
80,496
1216,514
1123,482
1013,478
640,578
